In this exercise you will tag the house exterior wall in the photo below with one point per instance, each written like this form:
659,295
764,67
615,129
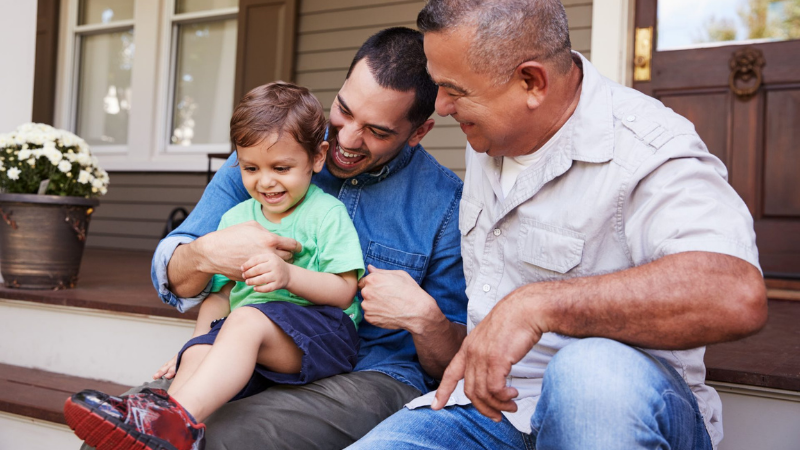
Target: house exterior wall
133,213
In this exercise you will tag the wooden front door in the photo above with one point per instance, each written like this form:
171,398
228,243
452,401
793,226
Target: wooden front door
696,71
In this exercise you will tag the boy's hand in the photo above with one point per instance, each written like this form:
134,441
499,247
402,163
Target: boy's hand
167,370
267,272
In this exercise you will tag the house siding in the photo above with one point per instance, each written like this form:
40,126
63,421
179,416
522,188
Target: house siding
133,214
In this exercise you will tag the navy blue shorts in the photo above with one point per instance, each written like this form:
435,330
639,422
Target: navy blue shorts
325,335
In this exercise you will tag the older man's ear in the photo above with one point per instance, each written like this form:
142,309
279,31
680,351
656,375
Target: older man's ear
534,79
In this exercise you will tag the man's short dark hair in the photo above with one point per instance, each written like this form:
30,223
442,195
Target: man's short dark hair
396,59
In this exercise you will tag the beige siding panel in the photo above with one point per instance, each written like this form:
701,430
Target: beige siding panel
316,6
568,3
337,60
338,40
451,158
121,242
579,16
581,39
329,80
445,137
163,194
326,97
461,173
140,211
157,179
139,228
377,15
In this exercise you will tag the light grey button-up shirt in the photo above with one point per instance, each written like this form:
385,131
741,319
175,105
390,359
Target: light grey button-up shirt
627,182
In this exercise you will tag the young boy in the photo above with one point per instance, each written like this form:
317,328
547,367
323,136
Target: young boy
295,323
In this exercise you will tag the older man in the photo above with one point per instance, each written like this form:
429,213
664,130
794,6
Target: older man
404,205
602,248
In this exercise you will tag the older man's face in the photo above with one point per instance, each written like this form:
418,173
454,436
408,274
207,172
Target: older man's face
488,114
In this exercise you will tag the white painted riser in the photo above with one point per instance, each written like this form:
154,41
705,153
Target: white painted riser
18,433
118,347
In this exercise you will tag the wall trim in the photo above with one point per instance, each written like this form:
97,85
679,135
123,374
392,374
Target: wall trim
612,39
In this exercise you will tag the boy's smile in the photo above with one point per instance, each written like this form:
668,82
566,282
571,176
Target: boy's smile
277,172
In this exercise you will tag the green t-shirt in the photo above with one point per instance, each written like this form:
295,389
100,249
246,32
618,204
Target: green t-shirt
330,244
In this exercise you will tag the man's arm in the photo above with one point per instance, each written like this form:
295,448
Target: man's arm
433,312
680,301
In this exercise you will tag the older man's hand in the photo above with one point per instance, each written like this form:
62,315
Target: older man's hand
484,361
393,300
226,250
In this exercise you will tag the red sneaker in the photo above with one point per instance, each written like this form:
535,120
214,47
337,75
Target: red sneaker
150,420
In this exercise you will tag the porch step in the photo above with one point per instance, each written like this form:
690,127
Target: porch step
111,327
31,405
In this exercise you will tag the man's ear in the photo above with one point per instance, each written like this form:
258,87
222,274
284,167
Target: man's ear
420,132
533,77
319,158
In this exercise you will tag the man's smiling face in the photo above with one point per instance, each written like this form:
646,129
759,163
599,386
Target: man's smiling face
370,124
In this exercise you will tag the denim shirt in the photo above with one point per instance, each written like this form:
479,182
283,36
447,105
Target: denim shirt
406,216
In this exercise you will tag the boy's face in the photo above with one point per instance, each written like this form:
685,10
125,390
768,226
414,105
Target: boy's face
277,173
370,124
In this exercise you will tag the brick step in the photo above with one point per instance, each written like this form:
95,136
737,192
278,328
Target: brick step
31,407
111,327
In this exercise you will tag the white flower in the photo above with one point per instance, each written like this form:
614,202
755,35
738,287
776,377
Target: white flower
85,177
32,162
54,156
64,166
97,183
13,173
24,154
84,159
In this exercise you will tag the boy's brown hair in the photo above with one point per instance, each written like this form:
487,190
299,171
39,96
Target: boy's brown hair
279,107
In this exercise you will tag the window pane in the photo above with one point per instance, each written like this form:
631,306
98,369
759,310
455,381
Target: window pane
104,11
702,23
104,92
186,6
204,79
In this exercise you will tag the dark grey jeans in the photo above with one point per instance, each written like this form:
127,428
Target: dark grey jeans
331,413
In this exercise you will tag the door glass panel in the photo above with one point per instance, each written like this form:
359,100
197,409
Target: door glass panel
188,6
104,11
104,91
702,23
204,80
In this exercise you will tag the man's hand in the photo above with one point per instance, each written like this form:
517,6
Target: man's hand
484,361
267,272
227,249
393,300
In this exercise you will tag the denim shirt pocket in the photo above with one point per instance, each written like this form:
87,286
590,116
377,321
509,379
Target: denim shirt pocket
383,257
549,247
468,214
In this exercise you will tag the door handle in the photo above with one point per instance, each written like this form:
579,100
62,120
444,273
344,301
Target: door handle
746,65
642,54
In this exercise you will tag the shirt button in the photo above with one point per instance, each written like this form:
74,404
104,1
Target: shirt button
497,232
354,182
486,288
630,118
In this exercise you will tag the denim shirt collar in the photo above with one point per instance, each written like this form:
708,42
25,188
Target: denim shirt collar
392,167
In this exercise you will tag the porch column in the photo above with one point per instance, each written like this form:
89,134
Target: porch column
612,39
17,53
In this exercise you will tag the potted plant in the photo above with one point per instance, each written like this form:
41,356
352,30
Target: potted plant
49,182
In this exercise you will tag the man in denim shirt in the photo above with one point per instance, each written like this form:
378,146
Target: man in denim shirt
405,208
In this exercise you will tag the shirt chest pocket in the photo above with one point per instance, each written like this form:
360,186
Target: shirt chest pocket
468,214
384,257
548,247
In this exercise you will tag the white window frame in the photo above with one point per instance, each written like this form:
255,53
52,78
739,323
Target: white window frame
152,84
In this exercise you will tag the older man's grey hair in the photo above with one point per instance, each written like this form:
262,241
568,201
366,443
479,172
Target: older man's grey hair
507,32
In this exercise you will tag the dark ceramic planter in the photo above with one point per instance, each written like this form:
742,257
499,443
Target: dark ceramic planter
42,239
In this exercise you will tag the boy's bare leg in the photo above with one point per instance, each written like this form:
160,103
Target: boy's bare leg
247,337
190,361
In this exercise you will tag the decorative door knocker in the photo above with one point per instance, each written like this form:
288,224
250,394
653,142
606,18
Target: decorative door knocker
746,64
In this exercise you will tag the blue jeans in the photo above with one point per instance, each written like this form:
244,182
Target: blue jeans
596,394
